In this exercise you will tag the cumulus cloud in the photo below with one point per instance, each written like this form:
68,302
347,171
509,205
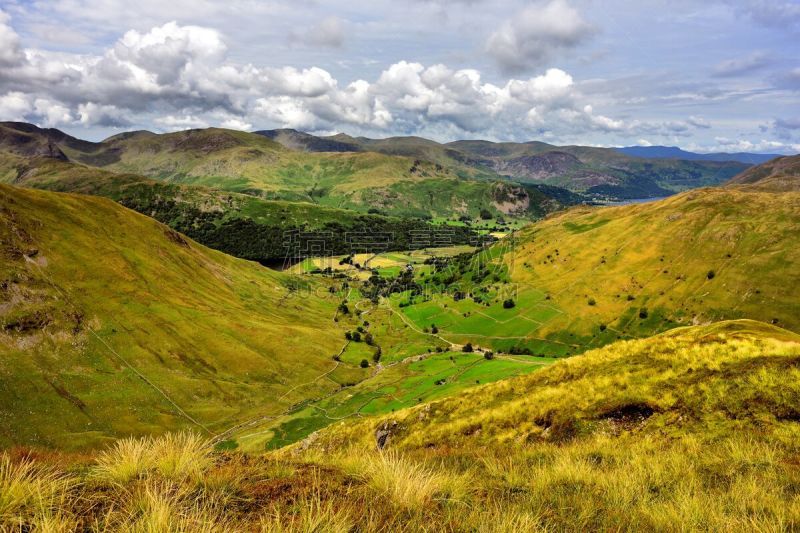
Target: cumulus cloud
10,51
108,116
533,35
176,77
15,106
182,74
741,65
725,144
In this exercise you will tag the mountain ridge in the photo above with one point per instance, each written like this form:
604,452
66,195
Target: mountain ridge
674,152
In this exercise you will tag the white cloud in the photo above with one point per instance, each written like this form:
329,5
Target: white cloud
10,52
177,123
724,144
109,116
15,106
532,36
180,77
52,113
236,124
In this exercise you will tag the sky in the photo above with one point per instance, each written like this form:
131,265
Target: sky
705,75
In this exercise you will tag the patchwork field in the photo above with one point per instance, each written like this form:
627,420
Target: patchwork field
393,386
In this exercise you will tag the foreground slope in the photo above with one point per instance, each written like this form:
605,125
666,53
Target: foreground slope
112,324
708,381
691,430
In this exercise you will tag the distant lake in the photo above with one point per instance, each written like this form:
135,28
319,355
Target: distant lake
635,201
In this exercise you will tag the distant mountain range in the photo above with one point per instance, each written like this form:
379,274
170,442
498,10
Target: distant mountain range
597,172
401,176
673,152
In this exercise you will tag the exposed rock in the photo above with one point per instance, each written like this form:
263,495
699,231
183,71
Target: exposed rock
538,167
384,433
175,237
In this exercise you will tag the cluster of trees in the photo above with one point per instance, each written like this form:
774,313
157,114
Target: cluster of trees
243,237
377,285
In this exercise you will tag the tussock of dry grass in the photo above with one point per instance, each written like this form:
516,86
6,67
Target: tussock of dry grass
31,493
174,456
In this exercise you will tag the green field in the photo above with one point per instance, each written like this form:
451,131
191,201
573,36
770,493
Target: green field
401,384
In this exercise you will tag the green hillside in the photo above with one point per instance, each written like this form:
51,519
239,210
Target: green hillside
696,427
242,225
779,174
590,276
691,430
703,380
113,324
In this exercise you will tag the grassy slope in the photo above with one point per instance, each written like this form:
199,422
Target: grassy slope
62,176
692,430
405,383
85,283
660,257
709,381
662,254
780,174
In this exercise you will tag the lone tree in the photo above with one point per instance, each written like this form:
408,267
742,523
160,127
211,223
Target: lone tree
468,348
364,363
356,336
488,355
434,329
486,214
368,338
508,304
711,274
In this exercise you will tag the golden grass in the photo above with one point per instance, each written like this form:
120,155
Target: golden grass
32,493
409,484
173,456
311,516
